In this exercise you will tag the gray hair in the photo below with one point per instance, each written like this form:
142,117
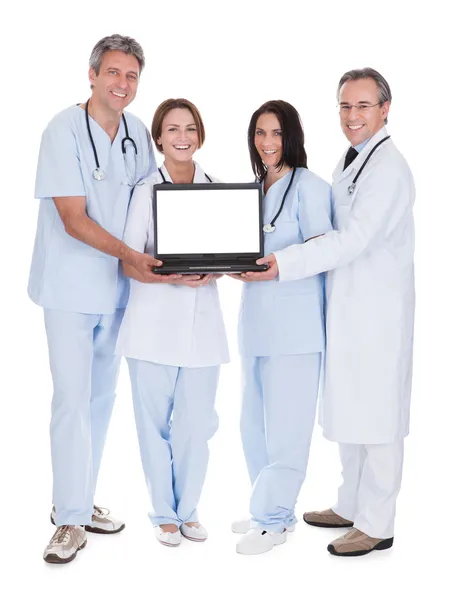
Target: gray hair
118,42
385,95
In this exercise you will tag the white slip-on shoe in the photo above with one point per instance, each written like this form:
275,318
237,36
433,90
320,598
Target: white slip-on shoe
257,541
194,534
245,525
65,543
101,522
167,538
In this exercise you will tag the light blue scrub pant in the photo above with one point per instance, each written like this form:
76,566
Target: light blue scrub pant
175,419
278,413
85,370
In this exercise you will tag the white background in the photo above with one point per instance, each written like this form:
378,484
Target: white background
228,59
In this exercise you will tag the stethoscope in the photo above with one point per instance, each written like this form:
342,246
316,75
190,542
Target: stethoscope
98,173
351,188
170,182
270,227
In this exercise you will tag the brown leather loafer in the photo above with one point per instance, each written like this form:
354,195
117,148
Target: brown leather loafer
357,543
326,518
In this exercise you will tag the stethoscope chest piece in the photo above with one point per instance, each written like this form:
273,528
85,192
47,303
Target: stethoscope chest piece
350,189
270,227
99,174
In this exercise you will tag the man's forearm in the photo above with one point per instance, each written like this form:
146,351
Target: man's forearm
84,229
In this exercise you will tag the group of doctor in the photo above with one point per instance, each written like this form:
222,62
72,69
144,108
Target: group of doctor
95,176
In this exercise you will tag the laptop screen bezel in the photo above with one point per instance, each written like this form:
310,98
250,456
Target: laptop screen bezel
209,186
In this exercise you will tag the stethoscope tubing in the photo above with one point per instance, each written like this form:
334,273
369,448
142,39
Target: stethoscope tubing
351,188
126,138
271,227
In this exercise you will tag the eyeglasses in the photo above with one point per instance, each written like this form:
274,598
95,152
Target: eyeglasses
362,107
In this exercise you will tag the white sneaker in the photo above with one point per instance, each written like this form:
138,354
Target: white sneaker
257,541
65,543
101,522
167,538
195,534
245,525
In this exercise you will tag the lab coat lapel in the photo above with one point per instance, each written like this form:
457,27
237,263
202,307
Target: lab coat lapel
199,175
339,174
164,171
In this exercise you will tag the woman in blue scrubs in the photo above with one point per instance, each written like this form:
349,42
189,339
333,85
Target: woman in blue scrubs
281,331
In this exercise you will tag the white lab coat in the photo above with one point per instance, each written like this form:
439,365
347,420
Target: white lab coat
370,298
165,323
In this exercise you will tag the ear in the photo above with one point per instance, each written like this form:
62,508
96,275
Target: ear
385,109
92,75
158,141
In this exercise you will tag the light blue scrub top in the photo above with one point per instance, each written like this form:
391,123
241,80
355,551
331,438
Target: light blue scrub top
362,145
67,274
288,318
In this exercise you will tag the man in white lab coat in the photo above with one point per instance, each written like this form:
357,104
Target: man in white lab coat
370,316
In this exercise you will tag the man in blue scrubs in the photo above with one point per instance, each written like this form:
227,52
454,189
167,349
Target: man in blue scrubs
85,182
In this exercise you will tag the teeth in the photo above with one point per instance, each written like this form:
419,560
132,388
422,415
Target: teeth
181,147
354,127
269,151
119,95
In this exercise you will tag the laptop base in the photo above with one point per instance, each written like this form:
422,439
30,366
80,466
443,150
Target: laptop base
202,270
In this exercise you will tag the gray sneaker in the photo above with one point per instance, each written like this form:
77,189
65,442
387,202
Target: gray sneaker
65,543
101,522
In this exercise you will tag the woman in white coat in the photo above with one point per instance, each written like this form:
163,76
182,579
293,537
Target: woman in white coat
281,332
174,339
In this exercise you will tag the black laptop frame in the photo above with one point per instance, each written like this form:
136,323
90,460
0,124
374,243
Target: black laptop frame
209,258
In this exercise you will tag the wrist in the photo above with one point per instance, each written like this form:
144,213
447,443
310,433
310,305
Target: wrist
130,256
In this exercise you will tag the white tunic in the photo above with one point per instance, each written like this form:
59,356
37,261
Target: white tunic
167,323
370,298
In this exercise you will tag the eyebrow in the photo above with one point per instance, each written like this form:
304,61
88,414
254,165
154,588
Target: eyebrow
359,102
175,125
261,129
118,69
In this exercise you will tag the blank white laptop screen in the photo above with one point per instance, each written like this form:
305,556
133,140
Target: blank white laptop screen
209,221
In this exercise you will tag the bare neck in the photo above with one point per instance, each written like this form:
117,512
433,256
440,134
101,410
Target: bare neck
108,119
180,172
274,175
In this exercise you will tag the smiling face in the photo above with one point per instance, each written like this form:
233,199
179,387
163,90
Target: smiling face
116,84
268,139
367,115
179,135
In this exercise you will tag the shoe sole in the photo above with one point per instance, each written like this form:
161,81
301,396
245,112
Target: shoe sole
382,545
192,539
54,559
92,529
169,545
290,529
327,525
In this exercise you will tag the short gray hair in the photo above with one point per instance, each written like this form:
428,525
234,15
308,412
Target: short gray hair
385,95
117,42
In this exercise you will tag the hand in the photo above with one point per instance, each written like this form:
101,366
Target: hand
237,276
144,263
271,273
195,281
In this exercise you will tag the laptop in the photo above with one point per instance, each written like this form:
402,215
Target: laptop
208,228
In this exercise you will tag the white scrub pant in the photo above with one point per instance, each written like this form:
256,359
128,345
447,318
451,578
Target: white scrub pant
175,419
372,476
278,412
84,370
